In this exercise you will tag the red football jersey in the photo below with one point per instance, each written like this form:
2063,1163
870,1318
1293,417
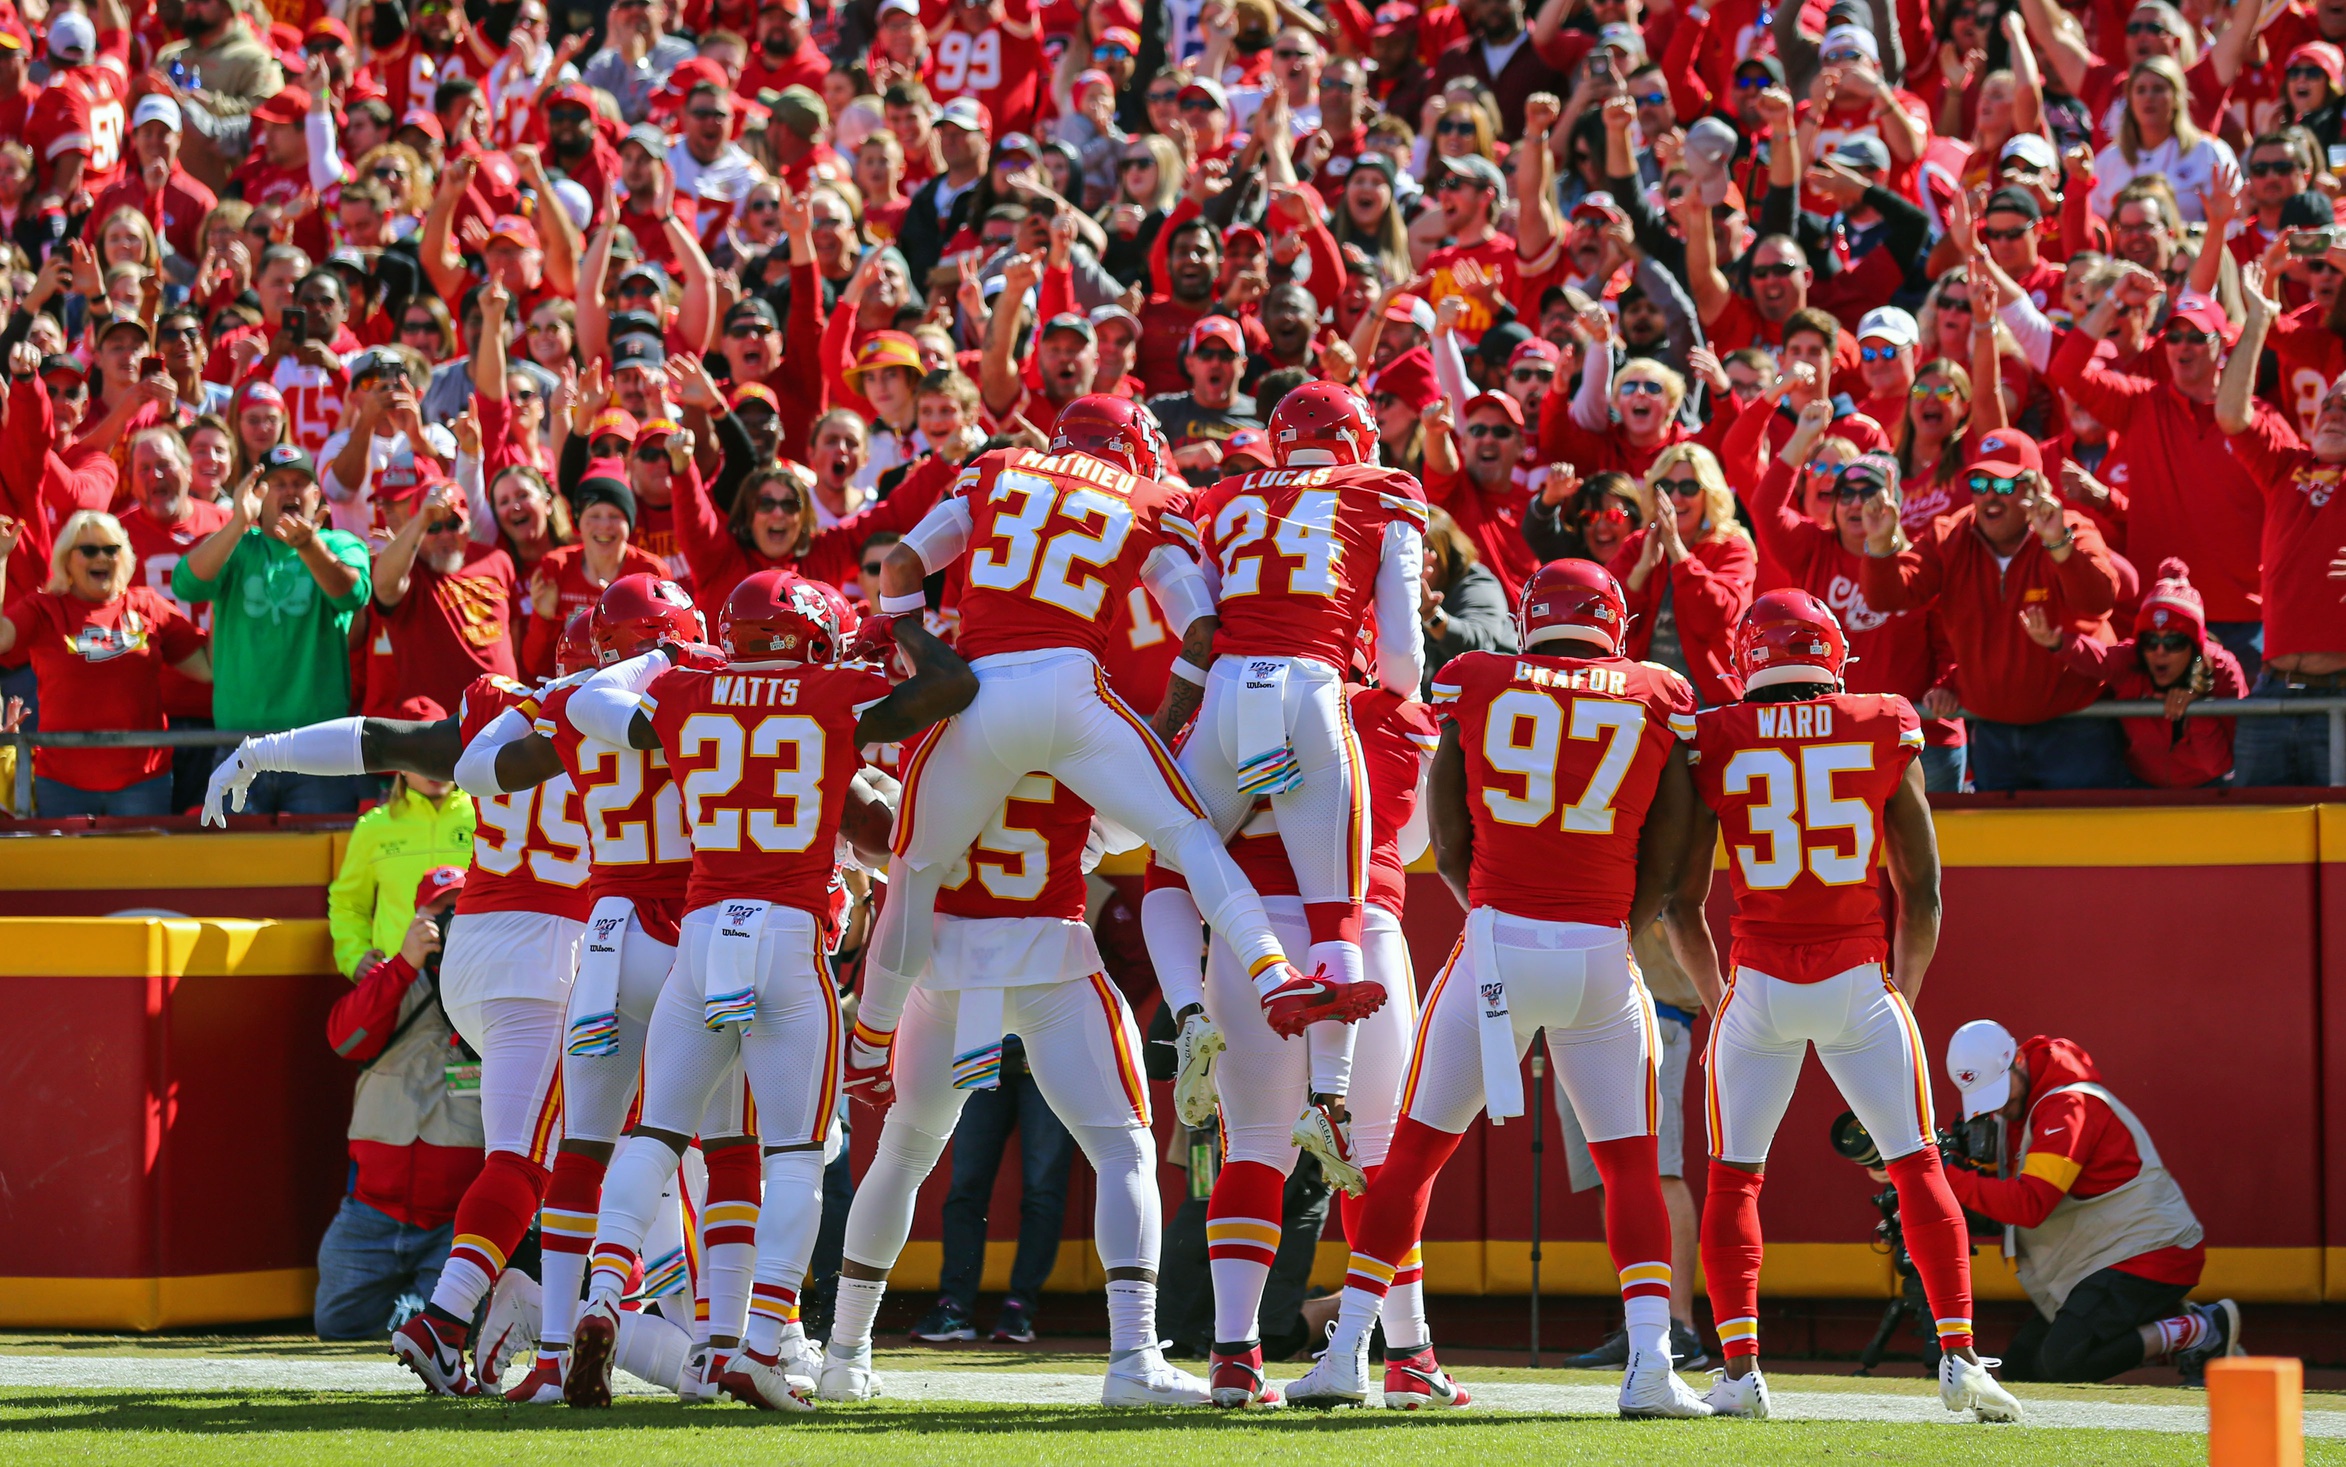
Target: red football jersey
1563,755
1003,70
633,815
1056,542
764,759
82,110
1028,862
1800,788
529,848
1397,735
1297,551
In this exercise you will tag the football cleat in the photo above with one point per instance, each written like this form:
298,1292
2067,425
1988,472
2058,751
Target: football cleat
799,1355
1746,1396
1237,1379
868,1055
1337,1378
1416,1382
592,1345
759,1380
542,1386
419,1346
701,1384
848,1376
1143,1377
1965,1385
1319,1132
1299,1002
1650,1388
1195,1048
509,1330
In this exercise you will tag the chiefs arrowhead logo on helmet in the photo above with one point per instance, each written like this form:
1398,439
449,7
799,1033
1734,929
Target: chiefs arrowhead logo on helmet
1325,422
576,651
638,612
1114,430
778,616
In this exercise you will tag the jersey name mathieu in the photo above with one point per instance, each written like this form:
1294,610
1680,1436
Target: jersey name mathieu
632,811
1298,550
530,847
1056,542
1563,755
764,758
1800,788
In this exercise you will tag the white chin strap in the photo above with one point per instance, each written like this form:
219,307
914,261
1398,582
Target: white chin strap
1597,641
1310,457
1772,677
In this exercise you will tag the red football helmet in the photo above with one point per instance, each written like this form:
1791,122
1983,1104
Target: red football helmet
638,612
1114,430
1326,416
576,651
778,616
1573,598
1789,637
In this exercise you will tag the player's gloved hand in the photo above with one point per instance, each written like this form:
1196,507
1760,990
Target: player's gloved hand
231,777
699,656
869,1054
875,640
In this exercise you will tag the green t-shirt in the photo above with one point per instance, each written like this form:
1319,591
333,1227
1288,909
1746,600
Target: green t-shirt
280,647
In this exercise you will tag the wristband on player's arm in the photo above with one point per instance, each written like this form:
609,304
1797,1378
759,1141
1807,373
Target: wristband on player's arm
904,605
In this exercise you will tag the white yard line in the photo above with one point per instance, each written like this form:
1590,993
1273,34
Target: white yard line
1793,1403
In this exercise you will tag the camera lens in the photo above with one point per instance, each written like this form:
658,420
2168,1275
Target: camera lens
1853,1142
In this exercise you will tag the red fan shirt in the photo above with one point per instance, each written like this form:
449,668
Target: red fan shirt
1298,551
1563,755
764,757
1800,788
1003,70
529,848
84,110
101,667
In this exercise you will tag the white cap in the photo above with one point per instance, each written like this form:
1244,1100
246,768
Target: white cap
1856,37
2032,149
72,37
155,107
1890,324
576,202
909,7
1979,1061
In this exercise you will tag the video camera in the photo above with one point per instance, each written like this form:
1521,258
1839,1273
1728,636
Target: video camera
1972,1144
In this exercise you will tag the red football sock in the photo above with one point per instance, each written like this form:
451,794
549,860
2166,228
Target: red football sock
1637,1224
1333,921
1242,1237
1393,1211
491,1219
566,1230
1731,1250
1939,1240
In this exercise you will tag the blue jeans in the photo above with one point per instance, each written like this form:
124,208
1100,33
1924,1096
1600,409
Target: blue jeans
2283,751
274,792
2058,754
2245,640
19,682
53,798
1942,768
366,1261
1046,1151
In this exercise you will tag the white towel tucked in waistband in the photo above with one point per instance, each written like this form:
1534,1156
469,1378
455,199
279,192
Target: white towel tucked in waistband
1494,1024
1266,761
729,981
594,998
977,1040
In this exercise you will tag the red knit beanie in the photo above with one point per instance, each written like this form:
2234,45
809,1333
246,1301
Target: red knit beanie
2172,604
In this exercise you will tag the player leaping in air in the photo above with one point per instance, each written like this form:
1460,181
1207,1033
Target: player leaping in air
1818,790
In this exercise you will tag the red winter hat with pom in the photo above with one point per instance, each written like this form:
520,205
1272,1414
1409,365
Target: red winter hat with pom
2172,605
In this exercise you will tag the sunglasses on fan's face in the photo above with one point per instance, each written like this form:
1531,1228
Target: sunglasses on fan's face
1857,486
1455,127
1529,375
1939,391
2164,642
1993,484
2272,167
1878,353
1640,387
2005,236
1774,272
1679,488
1490,430
768,504
873,568
2145,28
97,552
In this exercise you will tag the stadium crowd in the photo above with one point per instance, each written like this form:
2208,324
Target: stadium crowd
351,351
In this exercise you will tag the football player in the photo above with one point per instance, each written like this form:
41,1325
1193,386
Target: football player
1559,800
1818,790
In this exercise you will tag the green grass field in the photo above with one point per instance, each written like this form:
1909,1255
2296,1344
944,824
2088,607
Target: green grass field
67,1421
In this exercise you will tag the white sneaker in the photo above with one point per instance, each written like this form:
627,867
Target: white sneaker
704,1369
848,1375
1195,1050
509,1331
800,1355
1965,1385
1746,1397
1651,1388
1319,1132
1337,1378
1145,1378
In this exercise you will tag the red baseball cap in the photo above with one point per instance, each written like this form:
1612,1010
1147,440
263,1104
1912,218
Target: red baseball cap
289,106
1247,443
516,230
438,882
1500,402
1217,328
1537,349
2203,312
420,118
331,29
1394,18
2009,452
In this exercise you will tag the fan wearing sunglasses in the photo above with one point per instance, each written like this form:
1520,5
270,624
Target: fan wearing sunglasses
2014,545
2169,658
1688,574
1820,547
442,600
1637,418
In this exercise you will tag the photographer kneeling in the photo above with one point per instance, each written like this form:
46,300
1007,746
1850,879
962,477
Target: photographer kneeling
2108,1246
